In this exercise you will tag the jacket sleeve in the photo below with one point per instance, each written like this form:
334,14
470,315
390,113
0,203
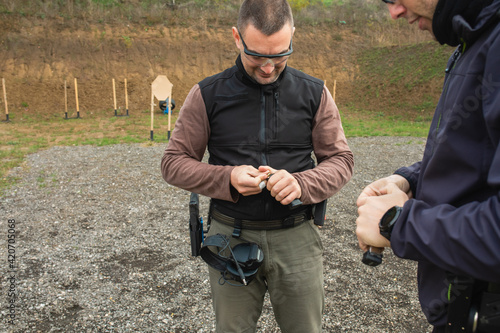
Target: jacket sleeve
335,159
182,164
465,239
411,174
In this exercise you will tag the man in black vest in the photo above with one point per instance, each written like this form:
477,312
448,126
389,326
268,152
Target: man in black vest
444,210
262,121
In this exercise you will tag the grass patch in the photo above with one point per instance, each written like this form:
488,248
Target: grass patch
362,123
405,66
28,134
404,79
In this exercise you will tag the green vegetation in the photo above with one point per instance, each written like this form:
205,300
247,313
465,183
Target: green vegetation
406,66
365,123
183,12
127,40
406,78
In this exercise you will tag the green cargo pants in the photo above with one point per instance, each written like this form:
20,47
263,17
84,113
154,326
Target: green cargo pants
292,273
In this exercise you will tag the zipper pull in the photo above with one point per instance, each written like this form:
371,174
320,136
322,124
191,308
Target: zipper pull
456,55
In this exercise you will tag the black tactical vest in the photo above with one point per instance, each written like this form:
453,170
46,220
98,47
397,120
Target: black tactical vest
253,124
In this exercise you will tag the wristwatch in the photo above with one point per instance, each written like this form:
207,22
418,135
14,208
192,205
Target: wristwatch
388,220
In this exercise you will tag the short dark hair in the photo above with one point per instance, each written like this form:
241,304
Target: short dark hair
267,16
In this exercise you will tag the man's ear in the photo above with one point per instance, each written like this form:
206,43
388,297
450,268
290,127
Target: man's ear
236,37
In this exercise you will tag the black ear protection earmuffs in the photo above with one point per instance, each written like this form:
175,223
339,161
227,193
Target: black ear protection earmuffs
241,265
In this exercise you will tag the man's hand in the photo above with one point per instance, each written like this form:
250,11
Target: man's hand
245,179
282,185
371,211
379,187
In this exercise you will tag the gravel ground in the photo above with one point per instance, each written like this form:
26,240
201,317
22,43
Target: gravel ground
102,245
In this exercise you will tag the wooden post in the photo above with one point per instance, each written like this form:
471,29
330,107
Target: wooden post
152,112
126,97
65,100
114,97
114,100
5,100
169,114
76,97
334,88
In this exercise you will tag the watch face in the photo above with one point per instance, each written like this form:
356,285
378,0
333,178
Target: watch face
388,217
391,213
387,222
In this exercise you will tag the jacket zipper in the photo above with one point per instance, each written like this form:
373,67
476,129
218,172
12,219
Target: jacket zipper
276,114
263,143
456,56
262,138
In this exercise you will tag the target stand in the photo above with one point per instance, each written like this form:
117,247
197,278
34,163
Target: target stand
161,88
66,102
126,100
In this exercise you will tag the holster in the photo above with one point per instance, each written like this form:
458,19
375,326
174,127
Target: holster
489,313
460,297
319,213
474,306
195,227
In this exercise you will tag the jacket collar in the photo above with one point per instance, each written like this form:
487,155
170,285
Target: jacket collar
458,21
247,79
469,33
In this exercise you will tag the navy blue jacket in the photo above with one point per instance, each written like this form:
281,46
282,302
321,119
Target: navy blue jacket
453,221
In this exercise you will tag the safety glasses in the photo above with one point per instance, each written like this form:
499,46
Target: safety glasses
263,59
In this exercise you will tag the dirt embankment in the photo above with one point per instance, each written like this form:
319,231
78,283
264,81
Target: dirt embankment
37,56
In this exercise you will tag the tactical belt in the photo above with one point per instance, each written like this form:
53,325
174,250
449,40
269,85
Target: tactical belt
289,222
